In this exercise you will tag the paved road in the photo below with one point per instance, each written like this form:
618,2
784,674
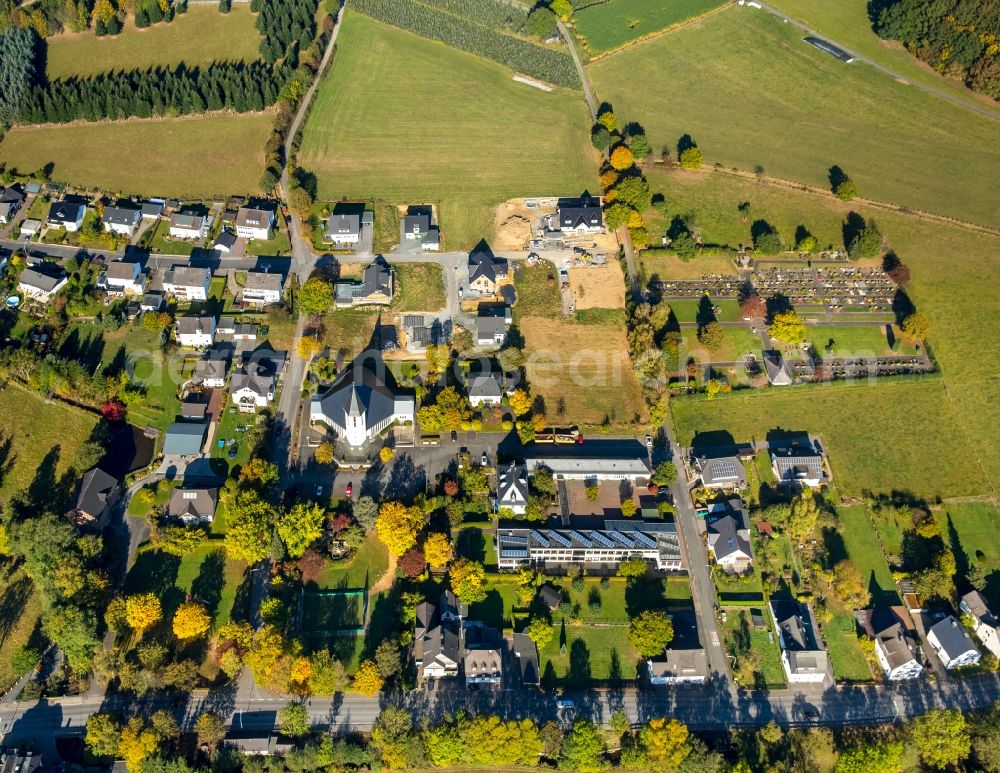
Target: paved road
953,98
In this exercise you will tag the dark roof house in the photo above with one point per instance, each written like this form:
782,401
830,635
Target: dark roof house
98,493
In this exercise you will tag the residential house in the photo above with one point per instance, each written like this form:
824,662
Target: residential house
549,597
193,505
210,372
486,272
679,667
188,225
343,231
152,209
96,497
188,282
802,657
29,228
419,334
363,401
262,288
251,390
492,323
485,389
984,622
417,226
245,331
719,472
42,280
193,411
122,277
437,643
526,654
226,326
952,643
225,242
729,539
602,549
374,289
777,370
798,466
68,215
583,215
255,224
121,220
184,438
894,646
482,654
512,488
151,301
198,332
11,201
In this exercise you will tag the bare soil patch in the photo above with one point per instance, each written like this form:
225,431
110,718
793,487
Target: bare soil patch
598,287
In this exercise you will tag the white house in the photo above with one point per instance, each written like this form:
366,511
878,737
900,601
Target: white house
262,288
254,224
798,467
802,657
121,220
984,624
63,214
679,667
729,538
188,282
30,227
186,225
42,281
343,230
11,200
583,215
210,372
198,332
124,277
512,489
250,391
485,389
952,644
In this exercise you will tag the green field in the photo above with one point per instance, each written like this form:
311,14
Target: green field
405,119
197,157
38,441
688,310
611,24
737,341
325,613
847,22
209,575
855,529
420,287
846,656
854,340
808,110
196,38
872,443
20,607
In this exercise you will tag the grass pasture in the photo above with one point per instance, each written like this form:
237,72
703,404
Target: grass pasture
403,119
809,112
970,529
196,38
609,25
860,545
583,371
872,442
420,287
190,157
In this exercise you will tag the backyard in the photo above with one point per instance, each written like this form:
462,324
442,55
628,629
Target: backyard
763,646
360,570
456,153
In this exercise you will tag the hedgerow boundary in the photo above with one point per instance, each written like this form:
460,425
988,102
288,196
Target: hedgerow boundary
545,64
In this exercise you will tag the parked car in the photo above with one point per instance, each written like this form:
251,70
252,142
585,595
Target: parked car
348,490
565,705
649,441
485,459
319,490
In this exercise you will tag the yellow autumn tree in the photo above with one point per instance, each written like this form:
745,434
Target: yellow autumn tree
301,673
385,454
308,347
142,612
137,743
608,179
437,550
622,158
367,680
398,526
324,454
665,743
104,11
191,621
520,403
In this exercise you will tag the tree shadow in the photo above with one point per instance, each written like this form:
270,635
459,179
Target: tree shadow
489,610
853,225
471,544
902,306
579,673
642,594
118,363
706,312
7,459
12,601
833,542
43,486
685,142
760,228
881,596
777,304
207,586
962,564
836,176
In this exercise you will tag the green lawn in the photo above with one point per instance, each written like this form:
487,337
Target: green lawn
161,495
871,442
193,157
405,119
420,287
38,441
970,529
279,244
609,25
846,656
537,291
362,570
196,38
347,331
855,340
592,654
733,588
227,430
769,673
212,577
688,310
855,529
737,341
809,112
161,241
20,608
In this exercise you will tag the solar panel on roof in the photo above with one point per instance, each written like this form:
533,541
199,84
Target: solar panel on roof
581,539
514,539
644,539
601,539
514,553
622,526
539,538
630,527
557,537
724,468
619,537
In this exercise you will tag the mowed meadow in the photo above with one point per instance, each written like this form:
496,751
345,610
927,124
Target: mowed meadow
198,37
752,93
405,119
188,157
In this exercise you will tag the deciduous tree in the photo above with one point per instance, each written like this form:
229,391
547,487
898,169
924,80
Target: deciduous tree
787,326
712,336
210,729
917,326
437,550
520,403
468,580
324,453
849,585
103,735
398,526
142,612
583,748
248,536
541,631
941,737
191,620
300,527
308,347
650,632
622,158
691,158
367,680
315,296
293,719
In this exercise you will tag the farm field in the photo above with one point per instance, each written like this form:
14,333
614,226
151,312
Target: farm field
609,25
809,111
37,444
583,372
868,438
394,97
954,271
195,157
196,38
847,22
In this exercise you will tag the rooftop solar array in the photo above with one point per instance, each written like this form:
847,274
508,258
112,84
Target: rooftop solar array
581,539
617,536
724,468
541,540
514,553
601,539
515,539
557,537
644,539
628,527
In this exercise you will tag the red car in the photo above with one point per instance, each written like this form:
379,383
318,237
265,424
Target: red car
579,440
348,490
